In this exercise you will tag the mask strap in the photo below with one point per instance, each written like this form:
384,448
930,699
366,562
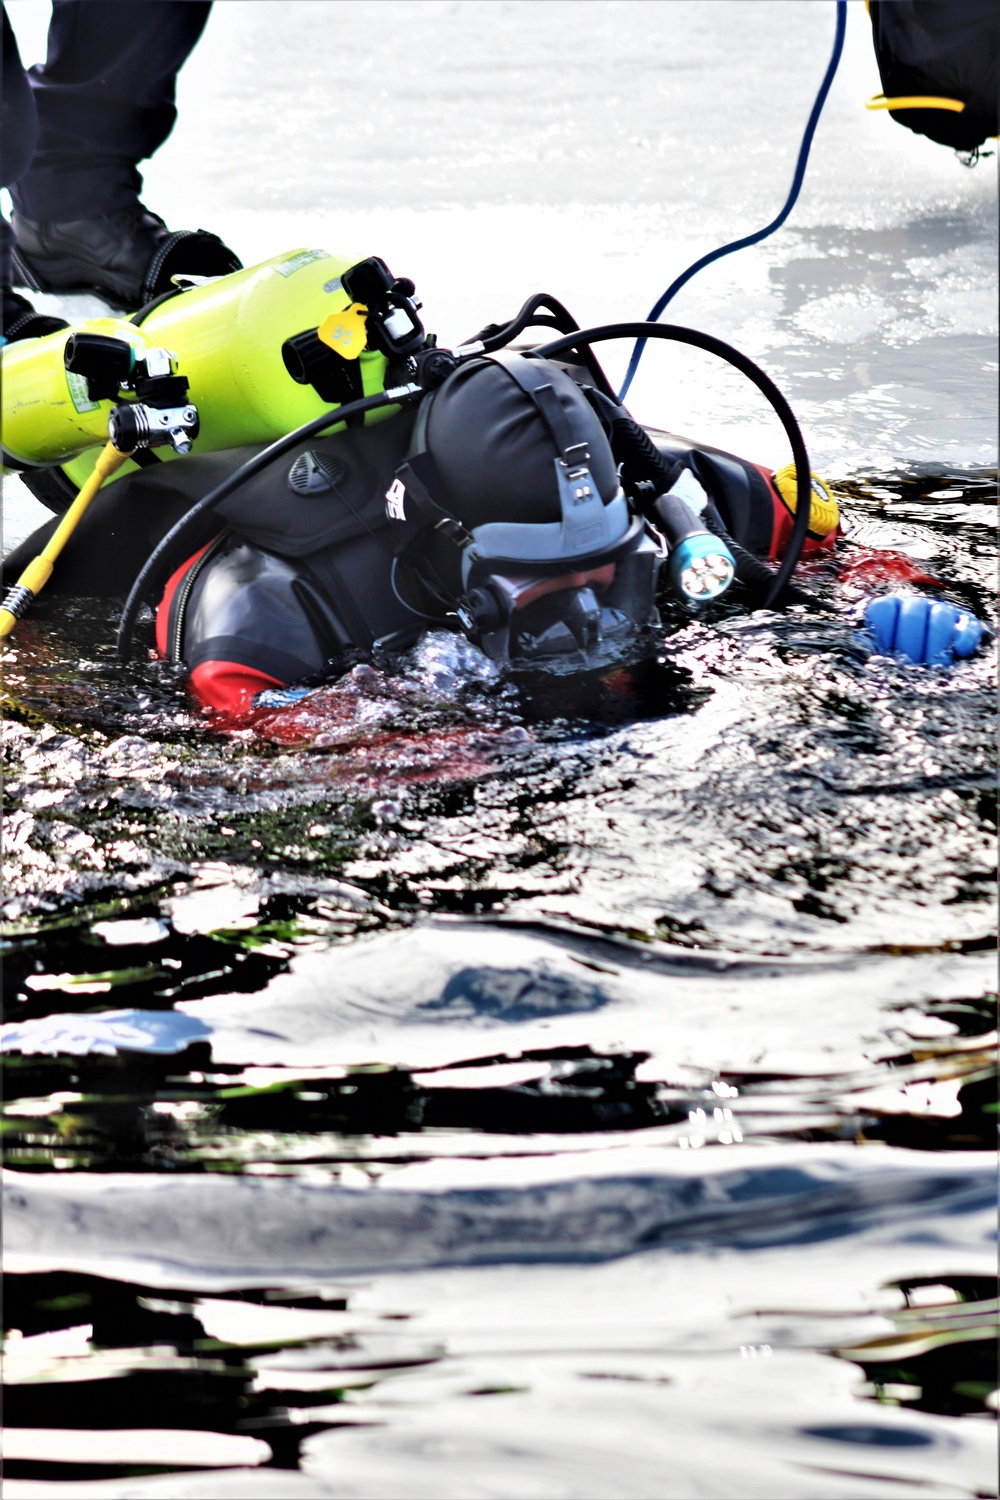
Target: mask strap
583,512
536,382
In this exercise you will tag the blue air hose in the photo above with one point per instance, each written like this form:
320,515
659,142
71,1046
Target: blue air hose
761,234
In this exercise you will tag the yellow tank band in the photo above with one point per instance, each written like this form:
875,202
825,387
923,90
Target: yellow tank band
824,512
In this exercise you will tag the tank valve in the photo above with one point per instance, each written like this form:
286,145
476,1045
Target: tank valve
391,307
135,424
161,412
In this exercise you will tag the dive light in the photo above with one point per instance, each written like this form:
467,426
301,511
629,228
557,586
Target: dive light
701,565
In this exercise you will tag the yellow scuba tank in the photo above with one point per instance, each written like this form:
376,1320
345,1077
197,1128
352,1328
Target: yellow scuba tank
235,340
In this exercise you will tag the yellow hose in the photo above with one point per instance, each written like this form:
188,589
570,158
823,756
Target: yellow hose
38,572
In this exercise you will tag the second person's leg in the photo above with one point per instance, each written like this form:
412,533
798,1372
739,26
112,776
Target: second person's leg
105,101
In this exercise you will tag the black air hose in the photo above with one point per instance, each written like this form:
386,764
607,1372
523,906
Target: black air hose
540,311
543,311
633,446
751,571
753,373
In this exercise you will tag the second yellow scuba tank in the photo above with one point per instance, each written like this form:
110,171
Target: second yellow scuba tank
246,344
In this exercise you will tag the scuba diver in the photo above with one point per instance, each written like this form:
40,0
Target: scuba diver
508,505
500,492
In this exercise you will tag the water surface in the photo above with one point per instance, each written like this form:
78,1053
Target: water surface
422,1094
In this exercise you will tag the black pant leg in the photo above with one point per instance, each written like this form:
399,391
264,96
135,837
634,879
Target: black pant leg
105,101
18,130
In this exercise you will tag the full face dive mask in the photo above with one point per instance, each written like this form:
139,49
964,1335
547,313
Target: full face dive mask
511,522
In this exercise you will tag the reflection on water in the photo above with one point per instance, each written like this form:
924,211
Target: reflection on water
418,1093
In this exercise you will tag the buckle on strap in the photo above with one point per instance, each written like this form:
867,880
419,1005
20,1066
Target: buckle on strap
408,500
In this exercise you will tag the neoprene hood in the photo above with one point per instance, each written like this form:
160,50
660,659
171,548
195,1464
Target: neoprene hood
511,481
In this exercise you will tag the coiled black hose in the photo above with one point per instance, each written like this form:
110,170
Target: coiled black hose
635,449
632,444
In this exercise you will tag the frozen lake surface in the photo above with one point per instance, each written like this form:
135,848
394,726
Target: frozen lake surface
459,1104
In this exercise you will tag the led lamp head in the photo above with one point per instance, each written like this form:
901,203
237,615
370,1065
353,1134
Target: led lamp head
702,567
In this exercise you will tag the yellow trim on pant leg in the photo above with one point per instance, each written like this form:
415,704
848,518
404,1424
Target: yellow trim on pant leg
915,101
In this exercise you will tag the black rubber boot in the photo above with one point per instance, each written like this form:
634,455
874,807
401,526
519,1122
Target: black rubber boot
128,258
21,321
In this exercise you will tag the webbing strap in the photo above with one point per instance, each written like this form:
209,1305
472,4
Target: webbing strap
420,512
535,380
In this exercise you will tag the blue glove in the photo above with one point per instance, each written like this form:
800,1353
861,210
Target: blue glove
923,630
